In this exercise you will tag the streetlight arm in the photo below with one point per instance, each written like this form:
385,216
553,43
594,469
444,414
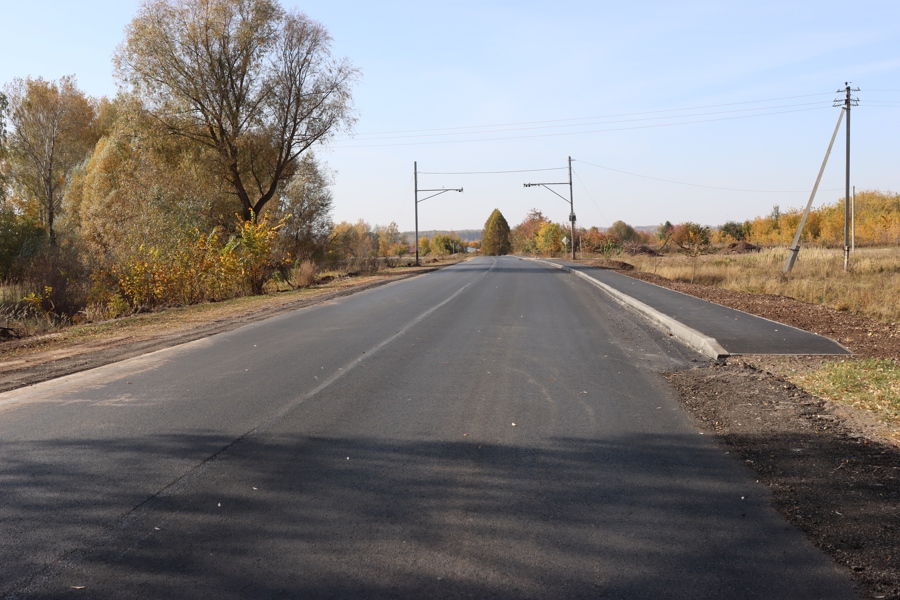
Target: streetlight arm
570,200
544,185
416,190
439,192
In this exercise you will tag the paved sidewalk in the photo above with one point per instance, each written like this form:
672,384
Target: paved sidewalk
735,331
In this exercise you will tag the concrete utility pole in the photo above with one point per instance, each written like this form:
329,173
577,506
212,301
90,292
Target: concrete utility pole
571,200
572,208
795,247
417,190
847,103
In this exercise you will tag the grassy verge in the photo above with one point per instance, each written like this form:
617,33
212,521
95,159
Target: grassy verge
871,384
161,322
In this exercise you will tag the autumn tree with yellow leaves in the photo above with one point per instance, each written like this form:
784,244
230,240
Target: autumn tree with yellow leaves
52,129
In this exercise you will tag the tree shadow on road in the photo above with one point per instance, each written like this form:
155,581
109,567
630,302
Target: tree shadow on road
305,516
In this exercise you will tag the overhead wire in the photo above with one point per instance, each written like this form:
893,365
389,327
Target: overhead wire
631,114
710,187
490,172
559,134
590,122
484,129
588,192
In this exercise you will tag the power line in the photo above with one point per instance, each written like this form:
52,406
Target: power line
660,118
542,135
489,172
649,112
588,192
710,187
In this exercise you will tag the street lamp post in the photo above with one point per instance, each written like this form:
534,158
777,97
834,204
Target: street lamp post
570,200
438,192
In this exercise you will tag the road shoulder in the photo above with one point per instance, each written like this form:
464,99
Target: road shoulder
829,474
41,358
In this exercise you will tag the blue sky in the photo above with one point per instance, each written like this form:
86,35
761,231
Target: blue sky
731,98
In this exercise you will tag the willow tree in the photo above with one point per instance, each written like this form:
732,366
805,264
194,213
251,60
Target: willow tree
495,237
305,205
252,82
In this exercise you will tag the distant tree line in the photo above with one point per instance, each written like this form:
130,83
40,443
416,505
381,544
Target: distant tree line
877,223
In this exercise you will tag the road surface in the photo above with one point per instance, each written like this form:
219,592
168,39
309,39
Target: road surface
496,429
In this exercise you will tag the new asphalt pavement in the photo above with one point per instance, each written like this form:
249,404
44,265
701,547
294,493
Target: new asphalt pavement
497,429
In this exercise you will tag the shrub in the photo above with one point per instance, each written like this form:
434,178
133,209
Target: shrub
304,274
201,269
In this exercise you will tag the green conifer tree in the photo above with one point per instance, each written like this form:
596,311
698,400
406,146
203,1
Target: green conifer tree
495,238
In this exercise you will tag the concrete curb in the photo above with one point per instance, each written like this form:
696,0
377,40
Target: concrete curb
693,338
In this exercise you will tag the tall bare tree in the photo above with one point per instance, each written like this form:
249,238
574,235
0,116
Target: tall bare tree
52,129
253,82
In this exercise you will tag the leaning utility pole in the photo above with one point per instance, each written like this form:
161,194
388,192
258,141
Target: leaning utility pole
795,247
417,190
847,103
571,200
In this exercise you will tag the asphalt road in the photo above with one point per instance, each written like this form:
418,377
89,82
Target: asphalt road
496,429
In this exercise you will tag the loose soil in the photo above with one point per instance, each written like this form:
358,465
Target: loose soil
739,248
833,471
